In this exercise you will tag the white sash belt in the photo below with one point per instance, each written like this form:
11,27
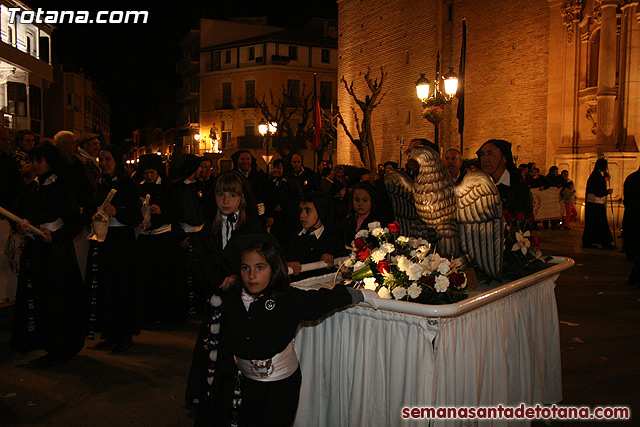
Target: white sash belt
160,230
279,367
191,228
592,198
53,226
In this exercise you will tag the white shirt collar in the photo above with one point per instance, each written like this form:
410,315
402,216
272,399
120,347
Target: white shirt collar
247,299
505,179
317,232
158,181
50,179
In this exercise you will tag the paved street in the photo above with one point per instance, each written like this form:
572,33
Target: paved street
145,386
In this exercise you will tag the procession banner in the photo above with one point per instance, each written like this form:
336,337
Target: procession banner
547,204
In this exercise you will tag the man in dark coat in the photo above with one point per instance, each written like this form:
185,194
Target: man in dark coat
306,177
260,184
496,159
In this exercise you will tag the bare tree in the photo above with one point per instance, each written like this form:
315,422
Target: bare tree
282,110
364,143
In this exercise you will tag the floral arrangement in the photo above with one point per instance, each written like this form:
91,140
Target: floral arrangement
522,255
433,113
402,268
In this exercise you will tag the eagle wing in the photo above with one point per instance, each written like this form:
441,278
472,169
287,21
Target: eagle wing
400,188
480,221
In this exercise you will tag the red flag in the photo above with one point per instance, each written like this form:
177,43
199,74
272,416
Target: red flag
317,115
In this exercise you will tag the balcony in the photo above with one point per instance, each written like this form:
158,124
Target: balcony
223,104
186,93
185,65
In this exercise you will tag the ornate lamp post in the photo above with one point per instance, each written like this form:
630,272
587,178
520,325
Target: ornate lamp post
433,99
267,130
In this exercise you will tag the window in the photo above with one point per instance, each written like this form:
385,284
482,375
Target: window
17,99
214,61
252,53
250,93
226,96
293,93
35,102
326,94
227,57
249,128
226,134
293,53
326,56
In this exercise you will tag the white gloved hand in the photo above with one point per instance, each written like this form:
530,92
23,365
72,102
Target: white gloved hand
370,297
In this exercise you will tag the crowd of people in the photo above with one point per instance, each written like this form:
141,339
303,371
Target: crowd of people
172,241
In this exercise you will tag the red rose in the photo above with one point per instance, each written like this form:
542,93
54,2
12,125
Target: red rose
359,243
394,227
535,241
429,281
364,254
520,216
383,267
457,280
507,216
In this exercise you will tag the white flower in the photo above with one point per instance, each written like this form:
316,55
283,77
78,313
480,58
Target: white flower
443,267
216,301
402,239
386,230
349,262
412,254
215,328
374,224
522,243
362,233
388,247
422,252
377,232
358,265
415,271
370,283
414,290
431,263
399,292
404,263
384,293
378,255
442,283
213,355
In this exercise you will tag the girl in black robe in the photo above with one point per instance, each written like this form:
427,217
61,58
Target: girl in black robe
216,250
50,302
112,266
164,295
316,240
363,210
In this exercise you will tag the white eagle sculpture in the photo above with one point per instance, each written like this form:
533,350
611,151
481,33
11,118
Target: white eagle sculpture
467,218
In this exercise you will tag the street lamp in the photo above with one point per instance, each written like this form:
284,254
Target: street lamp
433,99
267,130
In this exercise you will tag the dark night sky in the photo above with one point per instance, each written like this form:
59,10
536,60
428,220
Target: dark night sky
134,64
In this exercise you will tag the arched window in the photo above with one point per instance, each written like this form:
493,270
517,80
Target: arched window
594,56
